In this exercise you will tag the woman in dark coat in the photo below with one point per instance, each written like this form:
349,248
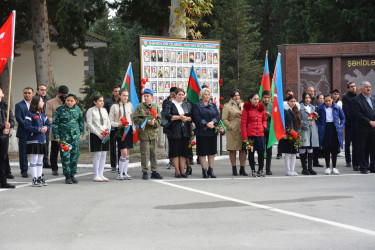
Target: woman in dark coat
330,124
292,120
178,112
206,117
253,124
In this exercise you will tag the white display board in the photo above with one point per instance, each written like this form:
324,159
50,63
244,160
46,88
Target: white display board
166,62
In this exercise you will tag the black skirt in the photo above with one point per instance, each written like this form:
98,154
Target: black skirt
179,147
206,145
259,143
36,148
96,144
128,142
330,138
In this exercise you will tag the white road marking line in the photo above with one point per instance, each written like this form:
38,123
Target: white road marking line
263,178
281,211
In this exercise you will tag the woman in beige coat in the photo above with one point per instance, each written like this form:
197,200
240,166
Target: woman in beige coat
231,118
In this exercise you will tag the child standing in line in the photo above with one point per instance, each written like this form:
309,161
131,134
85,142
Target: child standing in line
99,125
148,115
68,125
36,125
123,110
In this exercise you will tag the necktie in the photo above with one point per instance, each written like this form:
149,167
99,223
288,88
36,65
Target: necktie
101,118
123,110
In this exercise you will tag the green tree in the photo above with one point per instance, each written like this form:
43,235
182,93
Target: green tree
233,24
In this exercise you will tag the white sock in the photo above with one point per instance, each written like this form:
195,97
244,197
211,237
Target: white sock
121,165
126,165
39,165
292,161
287,161
95,163
33,161
103,156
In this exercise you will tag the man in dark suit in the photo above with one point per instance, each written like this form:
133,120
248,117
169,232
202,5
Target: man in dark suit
21,110
363,107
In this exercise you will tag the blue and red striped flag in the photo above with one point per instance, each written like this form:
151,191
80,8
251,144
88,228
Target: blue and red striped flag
194,87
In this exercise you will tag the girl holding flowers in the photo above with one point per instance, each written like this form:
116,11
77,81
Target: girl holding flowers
288,144
36,125
121,116
68,128
99,126
310,137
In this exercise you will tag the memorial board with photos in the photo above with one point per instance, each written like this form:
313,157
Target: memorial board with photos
167,62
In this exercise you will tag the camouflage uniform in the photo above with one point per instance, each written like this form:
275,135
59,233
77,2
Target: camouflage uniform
148,136
68,125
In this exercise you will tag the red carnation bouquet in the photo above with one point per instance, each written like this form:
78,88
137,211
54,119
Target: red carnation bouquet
65,147
313,116
249,145
295,138
154,113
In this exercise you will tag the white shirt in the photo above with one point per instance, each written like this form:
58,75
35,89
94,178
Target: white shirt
93,120
27,104
117,109
329,116
179,107
308,108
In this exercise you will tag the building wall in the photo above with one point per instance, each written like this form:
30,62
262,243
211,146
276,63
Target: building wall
66,69
326,66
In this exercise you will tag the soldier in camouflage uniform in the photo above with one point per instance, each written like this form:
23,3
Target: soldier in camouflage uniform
68,125
147,137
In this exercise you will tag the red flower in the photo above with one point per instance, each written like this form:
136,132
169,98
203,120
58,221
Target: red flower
142,86
221,106
146,79
294,134
154,113
143,80
36,117
221,81
66,148
222,98
221,84
124,121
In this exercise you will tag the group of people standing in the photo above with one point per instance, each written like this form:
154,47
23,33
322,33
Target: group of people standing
112,124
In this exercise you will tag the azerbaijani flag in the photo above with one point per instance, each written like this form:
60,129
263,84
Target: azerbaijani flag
3,62
193,88
128,83
277,126
265,84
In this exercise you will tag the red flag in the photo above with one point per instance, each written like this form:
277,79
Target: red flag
3,62
7,37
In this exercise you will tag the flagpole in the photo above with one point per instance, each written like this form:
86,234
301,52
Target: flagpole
10,88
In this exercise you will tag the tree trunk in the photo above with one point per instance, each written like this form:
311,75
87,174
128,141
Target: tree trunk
177,31
41,41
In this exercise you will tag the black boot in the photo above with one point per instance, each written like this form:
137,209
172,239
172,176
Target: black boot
310,164
188,171
210,172
303,158
204,173
234,171
74,180
242,171
68,180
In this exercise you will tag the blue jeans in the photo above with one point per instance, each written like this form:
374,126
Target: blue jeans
22,154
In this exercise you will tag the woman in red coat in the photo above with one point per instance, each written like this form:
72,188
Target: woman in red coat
253,124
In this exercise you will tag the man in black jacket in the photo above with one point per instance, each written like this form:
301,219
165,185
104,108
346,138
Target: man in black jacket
347,107
114,157
363,107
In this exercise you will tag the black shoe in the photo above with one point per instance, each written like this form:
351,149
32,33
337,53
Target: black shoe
312,171
234,171
113,169
268,172
210,172
278,156
184,176
74,180
348,165
24,175
10,176
42,181
260,173
355,168
54,172
243,172
189,171
145,176
68,180
318,165
204,173
7,185
372,171
253,173
177,175
305,172
364,171
156,175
